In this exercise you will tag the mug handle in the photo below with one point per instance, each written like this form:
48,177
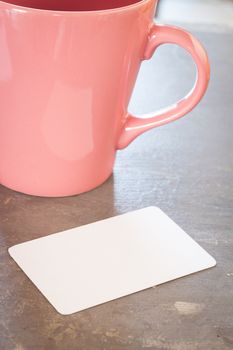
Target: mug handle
161,34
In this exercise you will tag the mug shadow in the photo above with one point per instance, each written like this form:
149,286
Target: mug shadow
25,217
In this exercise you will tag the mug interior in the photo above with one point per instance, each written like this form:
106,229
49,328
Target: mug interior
73,5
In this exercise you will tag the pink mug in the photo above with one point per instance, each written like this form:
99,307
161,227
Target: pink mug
67,71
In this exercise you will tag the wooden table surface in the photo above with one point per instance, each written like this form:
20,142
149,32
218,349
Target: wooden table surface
185,168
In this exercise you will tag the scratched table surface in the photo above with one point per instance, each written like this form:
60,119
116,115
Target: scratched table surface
185,168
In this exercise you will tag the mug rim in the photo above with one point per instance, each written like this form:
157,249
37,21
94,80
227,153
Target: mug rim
24,9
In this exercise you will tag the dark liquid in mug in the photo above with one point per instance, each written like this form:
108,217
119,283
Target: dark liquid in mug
73,5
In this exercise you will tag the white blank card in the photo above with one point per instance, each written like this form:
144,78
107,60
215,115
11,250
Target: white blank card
89,265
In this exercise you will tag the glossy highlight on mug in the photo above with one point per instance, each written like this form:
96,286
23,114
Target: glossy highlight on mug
66,78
